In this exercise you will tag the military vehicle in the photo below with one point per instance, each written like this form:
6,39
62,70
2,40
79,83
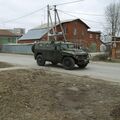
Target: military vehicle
60,52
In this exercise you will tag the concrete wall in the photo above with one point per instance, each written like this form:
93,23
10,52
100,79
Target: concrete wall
17,48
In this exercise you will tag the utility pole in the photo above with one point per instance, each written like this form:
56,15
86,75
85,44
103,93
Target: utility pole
61,26
53,26
48,23
55,22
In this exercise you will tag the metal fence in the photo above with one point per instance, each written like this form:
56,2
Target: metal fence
17,48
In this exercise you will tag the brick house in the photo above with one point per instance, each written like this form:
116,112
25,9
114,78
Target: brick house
94,41
75,31
116,47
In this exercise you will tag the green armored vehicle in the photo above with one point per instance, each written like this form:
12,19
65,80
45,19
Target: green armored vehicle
60,52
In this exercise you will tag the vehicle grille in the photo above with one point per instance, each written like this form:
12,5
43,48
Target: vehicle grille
81,57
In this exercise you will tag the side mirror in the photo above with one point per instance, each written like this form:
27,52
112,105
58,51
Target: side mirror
33,48
52,42
55,47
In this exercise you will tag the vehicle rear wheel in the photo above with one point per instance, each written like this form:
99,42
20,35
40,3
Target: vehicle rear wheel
40,60
68,63
54,63
82,65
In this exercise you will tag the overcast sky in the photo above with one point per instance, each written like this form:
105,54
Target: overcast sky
90,11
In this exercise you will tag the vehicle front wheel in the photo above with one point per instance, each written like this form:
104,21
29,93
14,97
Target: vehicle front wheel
68,63
82,65
40,60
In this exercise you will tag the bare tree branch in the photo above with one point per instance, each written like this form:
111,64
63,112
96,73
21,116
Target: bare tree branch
112,14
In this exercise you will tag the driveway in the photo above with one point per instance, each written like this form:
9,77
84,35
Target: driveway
100,70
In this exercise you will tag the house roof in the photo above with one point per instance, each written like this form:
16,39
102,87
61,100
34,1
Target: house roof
34,34
4,32
39,31
66,21
62,22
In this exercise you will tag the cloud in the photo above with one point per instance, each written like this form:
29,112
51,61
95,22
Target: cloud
11,9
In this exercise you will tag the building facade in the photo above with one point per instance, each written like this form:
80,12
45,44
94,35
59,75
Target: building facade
93,40
7,37
76,31
17,31
116,48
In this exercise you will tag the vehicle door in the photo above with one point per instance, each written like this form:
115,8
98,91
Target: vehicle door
57,53
49,54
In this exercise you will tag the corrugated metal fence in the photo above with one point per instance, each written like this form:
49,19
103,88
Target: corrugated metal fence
17,48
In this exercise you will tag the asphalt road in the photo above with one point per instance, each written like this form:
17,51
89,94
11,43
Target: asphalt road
100,70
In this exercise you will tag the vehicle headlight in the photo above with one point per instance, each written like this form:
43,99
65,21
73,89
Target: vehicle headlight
89,56
76,56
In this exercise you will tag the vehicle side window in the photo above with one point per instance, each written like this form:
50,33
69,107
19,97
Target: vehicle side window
50,46
58,47
40,45
64,46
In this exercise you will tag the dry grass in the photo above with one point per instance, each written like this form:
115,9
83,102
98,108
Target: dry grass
5,65
39,95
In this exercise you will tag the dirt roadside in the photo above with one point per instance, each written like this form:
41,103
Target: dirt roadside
42,95
5,65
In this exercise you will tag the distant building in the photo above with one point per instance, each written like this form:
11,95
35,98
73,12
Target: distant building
17,31
7,37
94,41
33,35
116,47
75,30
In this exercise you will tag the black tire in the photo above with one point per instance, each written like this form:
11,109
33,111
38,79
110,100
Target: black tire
82,65
68,63
54,63
40,60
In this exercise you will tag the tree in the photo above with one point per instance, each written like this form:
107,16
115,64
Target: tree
112,14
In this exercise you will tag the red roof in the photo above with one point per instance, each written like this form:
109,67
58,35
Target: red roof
75,20
4,32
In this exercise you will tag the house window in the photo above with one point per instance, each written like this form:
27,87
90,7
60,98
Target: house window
9,40
83,33
74,31
51,32
91,36
65,29
97,36
12,41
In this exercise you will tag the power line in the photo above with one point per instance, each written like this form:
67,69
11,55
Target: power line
78,17
67,13
84,13
69,2
83,19
26,15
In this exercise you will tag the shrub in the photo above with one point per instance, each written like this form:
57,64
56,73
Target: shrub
100,57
